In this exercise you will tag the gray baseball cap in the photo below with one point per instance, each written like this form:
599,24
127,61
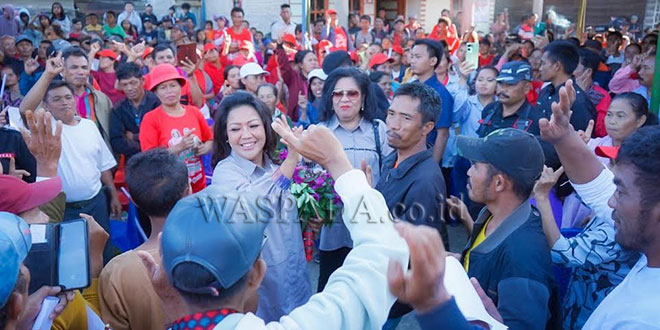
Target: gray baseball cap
516,153
219,230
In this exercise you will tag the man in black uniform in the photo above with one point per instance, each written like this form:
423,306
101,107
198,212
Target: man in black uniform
511,108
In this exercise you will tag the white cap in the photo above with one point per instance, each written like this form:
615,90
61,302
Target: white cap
251,69
317,73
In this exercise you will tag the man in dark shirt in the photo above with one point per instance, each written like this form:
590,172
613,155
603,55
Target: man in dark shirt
149,32
511,108
13,146
149,13
411,180
126,116
560,58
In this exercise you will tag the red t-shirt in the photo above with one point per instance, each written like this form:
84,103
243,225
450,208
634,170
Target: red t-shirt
158,129
236,37
106,83
216,75
341,38
485,61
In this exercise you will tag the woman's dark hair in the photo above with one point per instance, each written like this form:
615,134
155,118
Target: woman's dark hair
639,106
225,72
487,67
375,76
369,104
197,33
58,30
221,148
636,45
61,16
300,56
310,95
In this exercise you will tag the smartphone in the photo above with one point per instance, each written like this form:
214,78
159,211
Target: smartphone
59,255
187,51
472,53
73,257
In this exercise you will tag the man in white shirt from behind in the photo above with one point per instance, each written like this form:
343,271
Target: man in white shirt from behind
85,163
629,197
283,26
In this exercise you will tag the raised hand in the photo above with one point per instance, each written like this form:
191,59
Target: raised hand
302,101
318,144
547,180
457,208
13,171
466,68
586,134
423,286
189,66
95,48
44,144
31,65
559,125
97,239
54,65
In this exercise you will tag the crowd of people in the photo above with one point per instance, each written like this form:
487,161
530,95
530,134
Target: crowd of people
541,143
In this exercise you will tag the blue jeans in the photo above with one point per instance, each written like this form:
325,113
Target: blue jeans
97,207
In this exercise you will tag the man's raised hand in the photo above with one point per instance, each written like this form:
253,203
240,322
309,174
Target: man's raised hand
559,125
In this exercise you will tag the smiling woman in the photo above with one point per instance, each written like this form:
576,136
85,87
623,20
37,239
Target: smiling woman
244,144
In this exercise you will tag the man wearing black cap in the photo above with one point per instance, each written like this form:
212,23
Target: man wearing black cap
511,108
506,251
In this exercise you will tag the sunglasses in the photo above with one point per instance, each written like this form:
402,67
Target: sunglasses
352,95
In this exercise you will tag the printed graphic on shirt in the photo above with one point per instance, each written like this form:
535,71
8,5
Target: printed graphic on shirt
193,163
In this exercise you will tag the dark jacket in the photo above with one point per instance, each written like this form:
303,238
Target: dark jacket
414,192
583,109
125,118
445,316
12,145
514,268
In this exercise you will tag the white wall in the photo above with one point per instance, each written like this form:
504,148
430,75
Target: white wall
413,8
433,10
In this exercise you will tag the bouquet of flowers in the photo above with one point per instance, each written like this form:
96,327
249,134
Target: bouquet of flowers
315,195
316,198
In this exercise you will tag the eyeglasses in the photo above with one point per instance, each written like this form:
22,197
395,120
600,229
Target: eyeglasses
352,95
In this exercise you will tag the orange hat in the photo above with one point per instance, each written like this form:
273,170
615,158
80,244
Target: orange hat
208,47
354,57
289,38
332,12
162,73
397,49
378,59
607,152
107,53
147,52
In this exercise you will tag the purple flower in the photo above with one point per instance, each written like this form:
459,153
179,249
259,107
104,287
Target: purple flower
336,200
283,154
316,196
296,177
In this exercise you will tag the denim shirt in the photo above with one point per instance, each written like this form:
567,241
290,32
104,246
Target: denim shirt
286,284
359,144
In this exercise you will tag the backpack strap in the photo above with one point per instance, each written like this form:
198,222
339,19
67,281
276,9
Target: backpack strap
379,150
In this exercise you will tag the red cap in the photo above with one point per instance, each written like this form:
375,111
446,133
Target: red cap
290,39
162,73
19,196
323,44
107,53
332,12
397,49
239,60
354,57
378,59
147,52
607,152
208,47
